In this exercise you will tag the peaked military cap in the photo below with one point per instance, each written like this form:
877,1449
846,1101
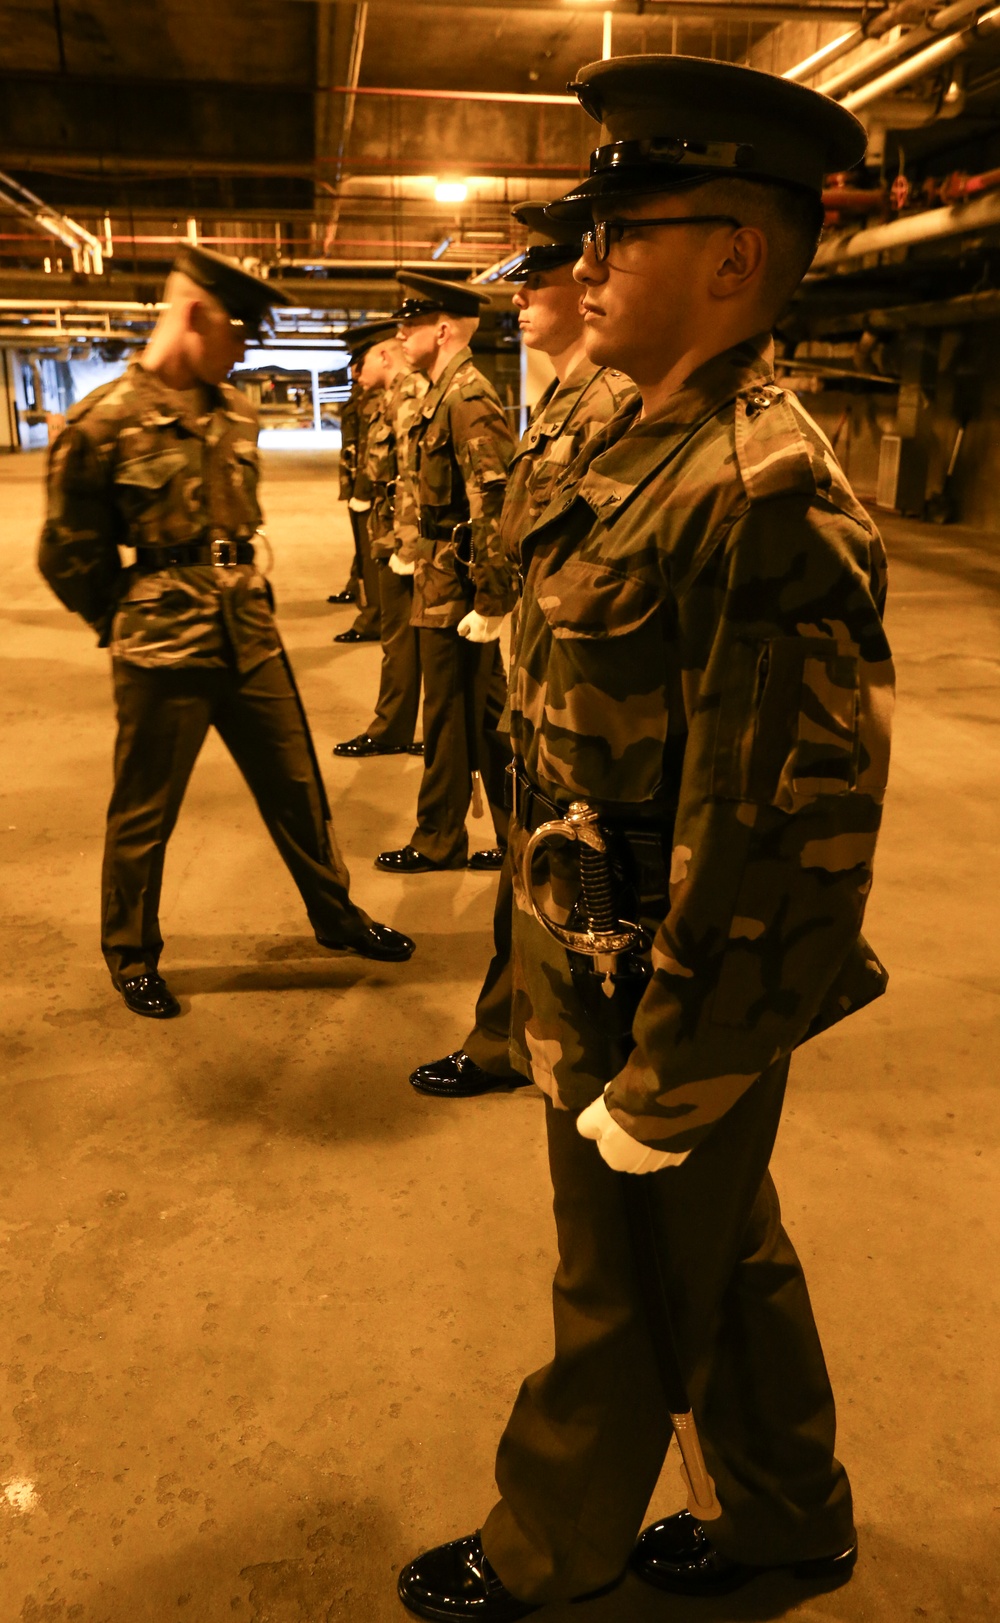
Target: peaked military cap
428,295
243,297
550,242
674,121
359,340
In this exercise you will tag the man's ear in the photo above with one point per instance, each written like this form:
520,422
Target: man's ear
195,316
744,265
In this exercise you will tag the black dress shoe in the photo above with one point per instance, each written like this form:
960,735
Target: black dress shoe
150,995
487,861
456,1581
414,749
677,1555
364,744
346,596
459,1077
356,636
378,941
407,860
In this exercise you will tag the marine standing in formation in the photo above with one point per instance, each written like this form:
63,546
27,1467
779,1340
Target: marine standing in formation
164,460
393,538
355,487
464,583
581,398
700,703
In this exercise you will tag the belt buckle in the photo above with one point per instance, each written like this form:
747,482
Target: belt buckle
223,552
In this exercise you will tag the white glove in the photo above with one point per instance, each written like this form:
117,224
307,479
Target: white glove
398,567
619,1149
480,627
358,506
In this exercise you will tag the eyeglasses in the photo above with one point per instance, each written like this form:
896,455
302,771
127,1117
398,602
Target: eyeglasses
607,232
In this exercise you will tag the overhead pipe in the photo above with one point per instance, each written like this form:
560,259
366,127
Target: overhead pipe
857,72
827,53
928,226
87,250
903,12
915,67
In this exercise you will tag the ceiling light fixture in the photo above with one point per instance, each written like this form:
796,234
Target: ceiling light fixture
450,191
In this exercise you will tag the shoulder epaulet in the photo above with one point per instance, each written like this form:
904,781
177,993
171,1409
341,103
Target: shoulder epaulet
115,395
776,456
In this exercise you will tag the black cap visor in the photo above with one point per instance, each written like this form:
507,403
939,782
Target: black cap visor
543,257
631,180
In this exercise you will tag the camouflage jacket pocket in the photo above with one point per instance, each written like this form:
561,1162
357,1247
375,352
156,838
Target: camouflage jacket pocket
788,722
152,499
435,464
589,600
153,471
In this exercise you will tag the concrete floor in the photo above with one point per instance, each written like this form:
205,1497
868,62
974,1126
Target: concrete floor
266,1309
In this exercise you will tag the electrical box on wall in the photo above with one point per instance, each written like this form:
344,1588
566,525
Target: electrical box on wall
902,476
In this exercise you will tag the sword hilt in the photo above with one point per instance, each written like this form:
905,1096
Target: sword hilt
606,936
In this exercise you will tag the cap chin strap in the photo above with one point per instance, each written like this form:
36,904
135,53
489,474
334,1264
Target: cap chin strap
672,151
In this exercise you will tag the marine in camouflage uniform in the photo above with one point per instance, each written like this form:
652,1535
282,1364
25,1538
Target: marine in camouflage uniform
355,488
571,409
191,633
700,658
458,452
392,527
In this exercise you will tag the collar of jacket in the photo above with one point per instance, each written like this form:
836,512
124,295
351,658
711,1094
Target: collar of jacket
159,405
627,453
560,400
438,390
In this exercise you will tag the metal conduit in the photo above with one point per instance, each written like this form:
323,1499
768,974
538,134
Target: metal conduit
916,66
927,226
827,53
858,72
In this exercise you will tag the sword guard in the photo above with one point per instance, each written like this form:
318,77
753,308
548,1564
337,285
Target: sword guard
582,824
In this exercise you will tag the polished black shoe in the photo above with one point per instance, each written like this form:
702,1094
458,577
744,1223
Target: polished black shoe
364,744
407,860
488,861
378,941
150,995
677,1555
346,596
456,1581
457,1076
356,636
414,749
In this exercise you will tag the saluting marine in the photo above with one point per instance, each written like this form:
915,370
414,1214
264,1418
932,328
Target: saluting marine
581,398
392,526
700,703
164,460
463,581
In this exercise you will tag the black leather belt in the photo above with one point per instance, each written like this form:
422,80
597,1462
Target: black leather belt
220,553
532,809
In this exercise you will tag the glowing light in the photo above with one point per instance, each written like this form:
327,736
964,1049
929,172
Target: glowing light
450,191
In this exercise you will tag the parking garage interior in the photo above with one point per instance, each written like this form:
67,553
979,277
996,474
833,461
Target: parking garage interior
266,1309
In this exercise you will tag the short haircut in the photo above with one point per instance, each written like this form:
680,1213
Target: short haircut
179,286
791,219
462,326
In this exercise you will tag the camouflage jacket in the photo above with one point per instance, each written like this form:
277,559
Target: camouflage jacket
700,655
565,417
392,522
460,448
349,430
132,468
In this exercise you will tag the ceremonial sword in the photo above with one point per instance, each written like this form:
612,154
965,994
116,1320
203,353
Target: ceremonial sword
604,941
